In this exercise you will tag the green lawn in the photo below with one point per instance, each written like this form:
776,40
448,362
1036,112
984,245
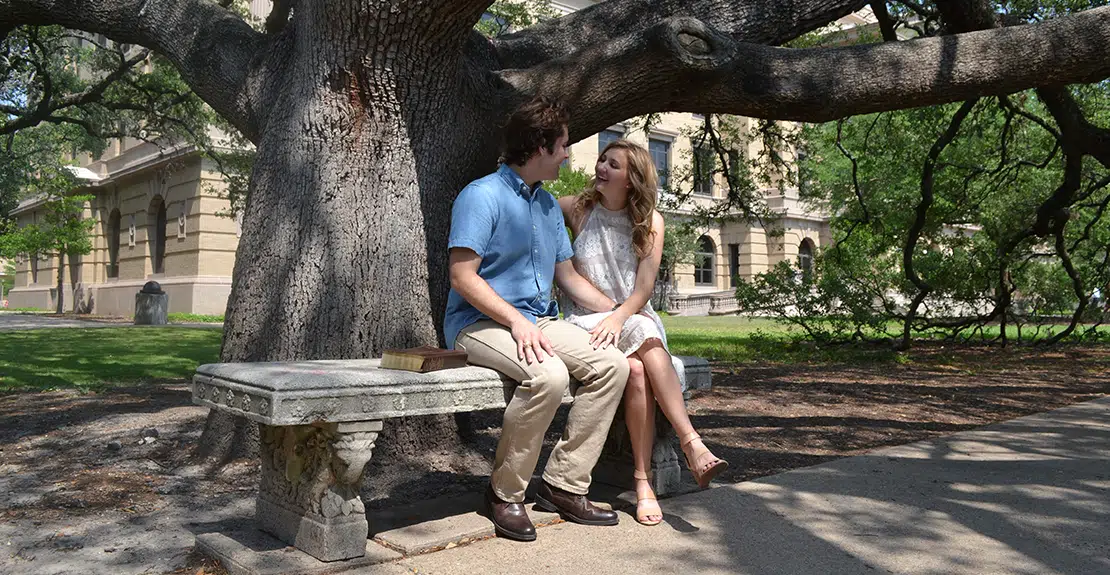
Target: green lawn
739,339
101,357
194,318
95,358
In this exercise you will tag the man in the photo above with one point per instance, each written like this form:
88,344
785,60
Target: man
507,244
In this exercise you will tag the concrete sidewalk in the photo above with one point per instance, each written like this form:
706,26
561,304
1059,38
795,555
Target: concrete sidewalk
1027,496
16,321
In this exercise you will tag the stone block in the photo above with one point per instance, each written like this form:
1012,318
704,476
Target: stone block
252,552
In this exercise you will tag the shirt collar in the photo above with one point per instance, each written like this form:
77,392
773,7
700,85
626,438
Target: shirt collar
516,182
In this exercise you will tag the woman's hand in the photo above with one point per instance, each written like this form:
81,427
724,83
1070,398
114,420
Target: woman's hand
608,332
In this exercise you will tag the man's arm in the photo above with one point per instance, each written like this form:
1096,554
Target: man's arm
462,267
580,289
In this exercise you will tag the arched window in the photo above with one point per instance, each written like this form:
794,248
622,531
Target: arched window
156,239
113,243
805,259
704,263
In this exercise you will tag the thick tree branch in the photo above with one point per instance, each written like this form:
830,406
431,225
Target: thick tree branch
1076,285
278,16
756,21
921,213
211,46
683,65
886,23
1075,129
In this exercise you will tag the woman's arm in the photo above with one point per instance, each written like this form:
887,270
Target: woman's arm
566,203
646,272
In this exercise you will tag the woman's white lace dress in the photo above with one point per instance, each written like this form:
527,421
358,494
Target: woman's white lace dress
604,255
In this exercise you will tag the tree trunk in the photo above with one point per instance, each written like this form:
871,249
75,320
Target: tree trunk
59,303
344,245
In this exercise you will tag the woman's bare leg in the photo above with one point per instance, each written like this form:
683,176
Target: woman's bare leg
639,415
665,387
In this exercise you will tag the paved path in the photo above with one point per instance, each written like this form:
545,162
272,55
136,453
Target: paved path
1029,496
12,321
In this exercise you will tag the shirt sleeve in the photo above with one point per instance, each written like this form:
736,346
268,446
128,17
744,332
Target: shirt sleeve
472,219
563,250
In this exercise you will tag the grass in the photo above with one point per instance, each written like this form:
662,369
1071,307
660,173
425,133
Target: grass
91,359
26,310
742,340
194,318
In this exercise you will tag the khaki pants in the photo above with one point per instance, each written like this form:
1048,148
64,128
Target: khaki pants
602,373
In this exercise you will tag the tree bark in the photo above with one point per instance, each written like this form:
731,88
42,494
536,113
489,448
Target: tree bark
59,306
372,134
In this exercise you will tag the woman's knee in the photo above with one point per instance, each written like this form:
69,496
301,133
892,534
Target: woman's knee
637,379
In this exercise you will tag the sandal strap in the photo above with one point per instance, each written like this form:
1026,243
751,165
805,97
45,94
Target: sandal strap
689,437
641,475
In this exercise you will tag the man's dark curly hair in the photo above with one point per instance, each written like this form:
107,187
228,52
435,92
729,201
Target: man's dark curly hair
538,122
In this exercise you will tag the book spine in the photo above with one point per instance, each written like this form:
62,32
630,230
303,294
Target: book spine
432,364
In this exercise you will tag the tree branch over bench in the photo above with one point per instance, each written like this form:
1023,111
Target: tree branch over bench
681,64
212,47
757,21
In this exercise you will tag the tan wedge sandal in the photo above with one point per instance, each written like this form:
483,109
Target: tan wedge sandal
646,506
704,465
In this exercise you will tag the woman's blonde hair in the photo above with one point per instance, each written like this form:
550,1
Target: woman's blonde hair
641,195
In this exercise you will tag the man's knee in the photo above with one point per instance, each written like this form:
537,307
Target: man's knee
615,362
550,379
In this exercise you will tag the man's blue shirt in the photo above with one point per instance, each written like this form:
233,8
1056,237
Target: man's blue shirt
519,233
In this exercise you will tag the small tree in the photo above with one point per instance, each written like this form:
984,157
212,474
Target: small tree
63,230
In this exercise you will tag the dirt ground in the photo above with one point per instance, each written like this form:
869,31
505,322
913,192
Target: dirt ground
109,479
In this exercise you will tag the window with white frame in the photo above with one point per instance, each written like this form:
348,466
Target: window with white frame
704,262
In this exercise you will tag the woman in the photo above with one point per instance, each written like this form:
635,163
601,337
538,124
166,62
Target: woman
618,243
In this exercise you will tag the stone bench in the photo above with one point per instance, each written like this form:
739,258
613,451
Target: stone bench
320,419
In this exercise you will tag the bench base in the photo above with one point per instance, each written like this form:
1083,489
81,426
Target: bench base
252,552
308,495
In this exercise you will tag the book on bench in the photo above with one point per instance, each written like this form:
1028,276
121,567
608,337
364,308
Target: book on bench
423,359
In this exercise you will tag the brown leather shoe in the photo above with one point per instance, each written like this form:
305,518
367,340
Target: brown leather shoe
572,507
510,520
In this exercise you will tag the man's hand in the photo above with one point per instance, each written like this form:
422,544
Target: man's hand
608,332
531,343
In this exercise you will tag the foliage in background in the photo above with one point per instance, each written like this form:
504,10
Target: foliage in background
61,230
65,93
949,220
504,16
8,280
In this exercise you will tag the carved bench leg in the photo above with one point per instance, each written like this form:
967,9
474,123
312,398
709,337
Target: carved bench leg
615,465
308,496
